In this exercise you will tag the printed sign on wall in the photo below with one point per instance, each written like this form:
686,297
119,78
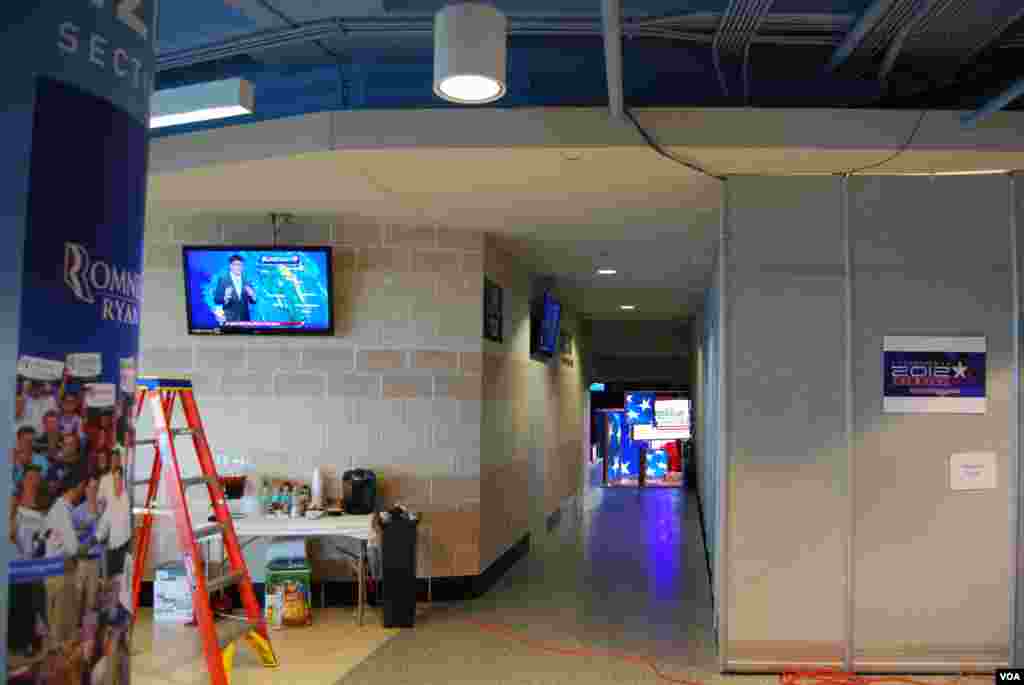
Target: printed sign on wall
931,375
973,471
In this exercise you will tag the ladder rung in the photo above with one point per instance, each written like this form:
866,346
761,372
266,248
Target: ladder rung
155,511
224,581
186,482
208,530
231,631
198,480
175,432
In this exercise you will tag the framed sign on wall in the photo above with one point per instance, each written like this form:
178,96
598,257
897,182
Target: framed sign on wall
933,375
493,313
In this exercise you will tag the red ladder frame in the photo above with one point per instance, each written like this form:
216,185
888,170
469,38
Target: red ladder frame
161,393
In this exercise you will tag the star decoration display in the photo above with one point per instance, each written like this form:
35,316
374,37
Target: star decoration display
640,408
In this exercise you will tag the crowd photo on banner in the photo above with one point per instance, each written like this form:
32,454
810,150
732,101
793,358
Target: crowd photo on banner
71,528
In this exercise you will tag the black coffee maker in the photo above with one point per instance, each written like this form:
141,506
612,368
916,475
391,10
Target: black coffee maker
359,490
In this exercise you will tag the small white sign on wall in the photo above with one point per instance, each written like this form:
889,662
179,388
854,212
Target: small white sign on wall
972,471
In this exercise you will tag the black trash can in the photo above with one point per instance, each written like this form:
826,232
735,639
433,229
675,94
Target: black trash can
398,557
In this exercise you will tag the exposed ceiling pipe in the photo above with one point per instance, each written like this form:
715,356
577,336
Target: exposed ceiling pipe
994,105
734,35
867,21
896,45
611,15
700,32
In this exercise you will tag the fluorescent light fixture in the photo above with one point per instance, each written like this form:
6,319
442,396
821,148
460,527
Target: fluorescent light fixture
606,272
627,307
470,44
201,102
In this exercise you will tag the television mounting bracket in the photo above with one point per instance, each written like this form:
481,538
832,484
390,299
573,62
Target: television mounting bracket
276,220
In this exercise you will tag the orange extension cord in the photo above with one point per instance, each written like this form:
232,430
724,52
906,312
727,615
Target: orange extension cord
817,677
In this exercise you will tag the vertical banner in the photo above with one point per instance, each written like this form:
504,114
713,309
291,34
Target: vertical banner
70,520
928,375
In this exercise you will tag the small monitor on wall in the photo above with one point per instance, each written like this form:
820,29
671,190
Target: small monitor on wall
546,323
258,290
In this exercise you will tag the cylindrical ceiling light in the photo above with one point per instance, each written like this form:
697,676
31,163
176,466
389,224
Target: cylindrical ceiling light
469,53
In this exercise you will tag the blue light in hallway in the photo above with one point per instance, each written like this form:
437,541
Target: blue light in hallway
663,523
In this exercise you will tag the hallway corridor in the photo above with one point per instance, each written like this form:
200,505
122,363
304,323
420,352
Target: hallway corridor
626,573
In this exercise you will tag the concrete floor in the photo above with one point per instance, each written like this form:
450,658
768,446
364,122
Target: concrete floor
624,574
627,573
165,654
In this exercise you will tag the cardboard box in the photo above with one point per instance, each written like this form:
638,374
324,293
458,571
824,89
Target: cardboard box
172,596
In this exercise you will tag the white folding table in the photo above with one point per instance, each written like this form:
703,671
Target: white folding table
352,526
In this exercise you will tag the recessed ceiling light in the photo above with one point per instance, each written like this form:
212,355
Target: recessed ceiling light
627,307
606,272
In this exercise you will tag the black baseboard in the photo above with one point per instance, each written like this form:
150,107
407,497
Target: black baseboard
554,518
445,589
486,580
704,538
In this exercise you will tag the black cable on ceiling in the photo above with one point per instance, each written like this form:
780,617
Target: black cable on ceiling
665,153
903,148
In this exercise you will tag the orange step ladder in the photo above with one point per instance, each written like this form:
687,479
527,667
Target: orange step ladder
219,648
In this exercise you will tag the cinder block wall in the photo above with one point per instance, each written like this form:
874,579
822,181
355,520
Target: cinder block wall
534,423
397,389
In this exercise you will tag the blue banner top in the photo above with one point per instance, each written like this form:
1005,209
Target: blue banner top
105,47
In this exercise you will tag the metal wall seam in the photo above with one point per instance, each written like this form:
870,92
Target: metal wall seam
722,571
848,396
1015,485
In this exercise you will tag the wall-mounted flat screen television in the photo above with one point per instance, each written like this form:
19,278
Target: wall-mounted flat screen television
547,321
258,290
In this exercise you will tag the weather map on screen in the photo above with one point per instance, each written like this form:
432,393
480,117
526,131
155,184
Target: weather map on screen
259,290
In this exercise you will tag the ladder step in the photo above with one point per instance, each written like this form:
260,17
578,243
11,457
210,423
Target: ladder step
155,511
230,631
175,432
185,482
198,480
208,530
225,581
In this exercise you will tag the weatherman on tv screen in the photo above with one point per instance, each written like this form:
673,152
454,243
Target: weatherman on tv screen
234,293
